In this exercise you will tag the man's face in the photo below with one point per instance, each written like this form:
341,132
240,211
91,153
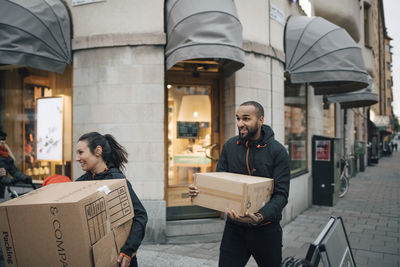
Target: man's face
248,124
2,142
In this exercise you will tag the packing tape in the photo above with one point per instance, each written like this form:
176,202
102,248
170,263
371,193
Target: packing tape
105,189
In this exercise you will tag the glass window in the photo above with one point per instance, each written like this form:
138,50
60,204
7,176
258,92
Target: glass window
189,138
329,120
296,126
40,145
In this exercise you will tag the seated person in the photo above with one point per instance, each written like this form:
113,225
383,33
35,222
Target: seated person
7,166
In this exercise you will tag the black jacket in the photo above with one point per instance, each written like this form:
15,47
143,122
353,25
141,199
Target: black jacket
8,164
264,157
139,221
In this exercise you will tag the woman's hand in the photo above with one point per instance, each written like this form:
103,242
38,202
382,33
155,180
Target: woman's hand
193,191
123,260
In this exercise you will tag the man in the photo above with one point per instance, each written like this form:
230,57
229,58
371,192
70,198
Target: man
254,152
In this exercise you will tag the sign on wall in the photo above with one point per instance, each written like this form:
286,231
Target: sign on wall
323,150
277,14
84,2
49,142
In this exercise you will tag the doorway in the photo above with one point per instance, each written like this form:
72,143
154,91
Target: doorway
193,137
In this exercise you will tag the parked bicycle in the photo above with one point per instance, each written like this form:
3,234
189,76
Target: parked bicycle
344,178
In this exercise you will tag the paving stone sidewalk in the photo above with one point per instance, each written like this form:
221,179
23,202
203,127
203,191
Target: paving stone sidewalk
371,214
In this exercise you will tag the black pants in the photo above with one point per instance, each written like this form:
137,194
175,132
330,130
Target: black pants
238,243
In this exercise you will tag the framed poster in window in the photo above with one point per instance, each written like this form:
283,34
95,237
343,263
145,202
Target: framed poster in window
49,133
323,150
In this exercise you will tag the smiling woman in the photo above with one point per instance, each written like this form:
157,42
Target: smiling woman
102,157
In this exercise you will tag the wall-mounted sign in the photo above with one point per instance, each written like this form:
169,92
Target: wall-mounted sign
84,2
49,142
187,129
323,150
277,14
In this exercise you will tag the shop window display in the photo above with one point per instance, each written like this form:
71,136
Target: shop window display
21,96
296,127
189,131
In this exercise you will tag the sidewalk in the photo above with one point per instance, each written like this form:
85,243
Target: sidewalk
371,213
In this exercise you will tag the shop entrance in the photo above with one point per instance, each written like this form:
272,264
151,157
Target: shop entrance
193,136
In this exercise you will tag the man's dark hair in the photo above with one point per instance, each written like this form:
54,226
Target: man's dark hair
259,108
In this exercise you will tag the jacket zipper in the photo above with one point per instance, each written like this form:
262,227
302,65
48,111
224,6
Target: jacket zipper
247,158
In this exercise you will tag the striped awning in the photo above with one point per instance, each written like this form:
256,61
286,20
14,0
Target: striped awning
206,29
35,33
323,54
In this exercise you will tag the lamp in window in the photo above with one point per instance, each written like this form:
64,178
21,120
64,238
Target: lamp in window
195,108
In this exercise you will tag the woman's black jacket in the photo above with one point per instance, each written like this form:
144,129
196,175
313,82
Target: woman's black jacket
264,157
139,221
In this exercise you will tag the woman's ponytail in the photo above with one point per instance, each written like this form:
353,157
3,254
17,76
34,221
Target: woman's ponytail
118,155
113,152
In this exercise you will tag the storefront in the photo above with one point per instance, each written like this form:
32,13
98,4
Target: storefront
204,46
36,86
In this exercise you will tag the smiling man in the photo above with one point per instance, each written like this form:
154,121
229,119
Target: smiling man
254,152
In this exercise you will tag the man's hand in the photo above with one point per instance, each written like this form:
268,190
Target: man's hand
2,172
193,191
247,218
123,260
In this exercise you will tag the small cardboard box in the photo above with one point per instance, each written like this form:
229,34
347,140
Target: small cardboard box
60,224
222,190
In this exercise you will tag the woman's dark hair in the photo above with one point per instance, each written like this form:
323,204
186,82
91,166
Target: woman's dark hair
113,152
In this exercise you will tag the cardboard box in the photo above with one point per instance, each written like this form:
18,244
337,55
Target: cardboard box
222,190
60,224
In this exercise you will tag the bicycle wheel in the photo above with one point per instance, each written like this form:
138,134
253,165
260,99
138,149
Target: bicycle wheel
344,186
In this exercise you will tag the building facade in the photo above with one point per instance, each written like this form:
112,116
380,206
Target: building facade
145,73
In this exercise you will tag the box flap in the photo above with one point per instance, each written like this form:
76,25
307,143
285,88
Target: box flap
106,250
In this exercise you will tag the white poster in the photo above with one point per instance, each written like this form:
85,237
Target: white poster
49,144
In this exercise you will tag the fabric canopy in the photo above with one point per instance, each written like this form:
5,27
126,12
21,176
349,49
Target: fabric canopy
361,98
324,55
35,33
206,29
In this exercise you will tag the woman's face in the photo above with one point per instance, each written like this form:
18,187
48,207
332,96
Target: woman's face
85,157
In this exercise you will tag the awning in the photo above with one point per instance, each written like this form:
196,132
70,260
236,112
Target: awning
324,55
35,33
361,98
206,29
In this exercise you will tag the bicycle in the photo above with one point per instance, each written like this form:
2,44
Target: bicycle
344,179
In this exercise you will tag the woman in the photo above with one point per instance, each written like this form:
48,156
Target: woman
102,157
7,166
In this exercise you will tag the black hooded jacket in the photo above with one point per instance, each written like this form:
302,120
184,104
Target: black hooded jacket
264,157
139,221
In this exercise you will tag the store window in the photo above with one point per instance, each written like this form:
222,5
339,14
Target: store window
296,127
189,137
35,112
329,119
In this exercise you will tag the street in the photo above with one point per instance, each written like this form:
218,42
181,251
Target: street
371,214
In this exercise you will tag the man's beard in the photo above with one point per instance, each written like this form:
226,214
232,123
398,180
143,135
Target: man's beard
251,132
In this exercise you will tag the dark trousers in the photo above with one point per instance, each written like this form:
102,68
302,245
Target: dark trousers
238,243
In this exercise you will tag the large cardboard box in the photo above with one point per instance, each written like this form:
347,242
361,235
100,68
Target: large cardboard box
223,190
67,224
